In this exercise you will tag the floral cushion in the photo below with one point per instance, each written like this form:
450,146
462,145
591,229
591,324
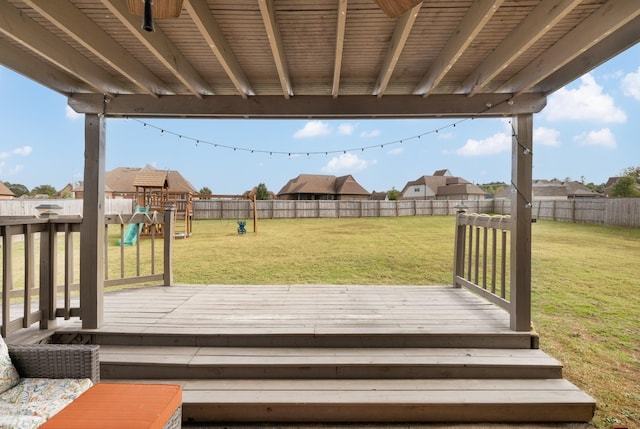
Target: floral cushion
8,374
35,400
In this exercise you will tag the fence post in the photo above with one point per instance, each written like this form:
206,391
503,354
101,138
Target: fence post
169,217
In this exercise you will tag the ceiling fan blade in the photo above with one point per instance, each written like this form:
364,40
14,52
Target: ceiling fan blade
160,8
395,8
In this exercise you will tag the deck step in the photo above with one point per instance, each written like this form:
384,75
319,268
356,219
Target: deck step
399,401
324,363
439,337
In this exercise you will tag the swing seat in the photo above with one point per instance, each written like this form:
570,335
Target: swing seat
241,225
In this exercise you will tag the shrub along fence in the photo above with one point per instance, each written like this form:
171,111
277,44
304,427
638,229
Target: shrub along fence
603,211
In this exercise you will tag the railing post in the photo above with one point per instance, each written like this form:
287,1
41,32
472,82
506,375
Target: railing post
169,219
458,252
48,263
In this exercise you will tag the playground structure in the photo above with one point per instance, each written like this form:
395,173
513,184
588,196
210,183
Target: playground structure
152,193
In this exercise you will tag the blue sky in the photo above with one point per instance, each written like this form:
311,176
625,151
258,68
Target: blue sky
590,129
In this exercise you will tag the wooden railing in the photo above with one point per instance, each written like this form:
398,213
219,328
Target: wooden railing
481,256
40,278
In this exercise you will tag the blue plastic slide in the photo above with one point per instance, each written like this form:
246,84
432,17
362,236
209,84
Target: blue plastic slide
133,229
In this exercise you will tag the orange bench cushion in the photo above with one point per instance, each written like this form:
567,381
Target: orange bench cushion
124,406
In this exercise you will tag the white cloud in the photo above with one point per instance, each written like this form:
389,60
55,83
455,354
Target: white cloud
312,129
631,84
496,143
545,137
346,161
346,129
23,151
72,114
370,134
603,137
585,103
396,151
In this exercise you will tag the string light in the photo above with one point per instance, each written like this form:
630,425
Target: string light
326,153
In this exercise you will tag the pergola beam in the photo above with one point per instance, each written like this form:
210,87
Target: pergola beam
475,19
606,20
47,45
268,11
337,62
80,28
210,30
163,49
542,19
302,106
47,75
396,45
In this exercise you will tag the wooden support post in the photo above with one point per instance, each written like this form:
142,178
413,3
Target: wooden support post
169,216
92,231
521,172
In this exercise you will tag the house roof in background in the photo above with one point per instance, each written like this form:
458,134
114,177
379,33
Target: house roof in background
321,184
5,191
295,58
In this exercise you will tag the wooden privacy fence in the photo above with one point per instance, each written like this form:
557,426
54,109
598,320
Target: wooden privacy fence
481,254
39,266
294,209
624,212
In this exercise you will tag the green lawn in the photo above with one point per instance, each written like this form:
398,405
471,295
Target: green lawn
586,301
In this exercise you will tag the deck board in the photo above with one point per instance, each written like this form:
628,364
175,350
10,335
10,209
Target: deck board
319,309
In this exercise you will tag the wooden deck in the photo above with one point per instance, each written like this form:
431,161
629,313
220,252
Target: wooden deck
307,315
331,354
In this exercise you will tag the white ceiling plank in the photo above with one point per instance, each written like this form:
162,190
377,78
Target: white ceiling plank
267,9
606,20
340,29
160,45
210,30
479,13
312,106
542,19
45,44
398,40
77,25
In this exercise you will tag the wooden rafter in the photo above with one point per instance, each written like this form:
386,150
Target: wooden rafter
267,9
163,49
53,78
400,36
340,29
533,27
611,16
78,26
47,45
210,30
475,19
